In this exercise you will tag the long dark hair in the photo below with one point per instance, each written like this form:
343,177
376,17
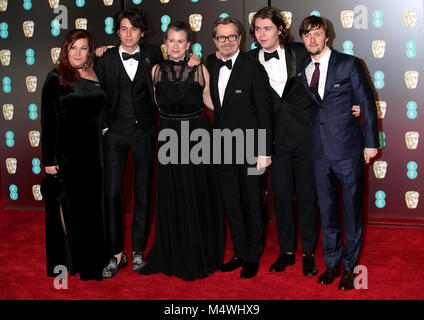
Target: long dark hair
67,74
275,16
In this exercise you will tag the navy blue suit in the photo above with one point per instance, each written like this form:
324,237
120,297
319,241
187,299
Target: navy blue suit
337,143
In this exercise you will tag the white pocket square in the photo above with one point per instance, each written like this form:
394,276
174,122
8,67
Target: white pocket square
238,91
337,85
299,74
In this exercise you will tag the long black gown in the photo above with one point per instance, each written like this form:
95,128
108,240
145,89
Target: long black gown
71,138
189,240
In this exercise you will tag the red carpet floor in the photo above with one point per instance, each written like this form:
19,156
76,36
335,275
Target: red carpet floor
394,258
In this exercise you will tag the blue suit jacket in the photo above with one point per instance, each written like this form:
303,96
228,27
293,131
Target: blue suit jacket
335,131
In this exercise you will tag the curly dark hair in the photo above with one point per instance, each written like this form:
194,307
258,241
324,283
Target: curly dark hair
135,16
275,16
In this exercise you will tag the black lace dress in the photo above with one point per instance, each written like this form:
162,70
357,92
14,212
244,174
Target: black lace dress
189,239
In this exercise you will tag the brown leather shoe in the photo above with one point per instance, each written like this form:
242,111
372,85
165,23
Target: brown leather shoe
329,275
347,280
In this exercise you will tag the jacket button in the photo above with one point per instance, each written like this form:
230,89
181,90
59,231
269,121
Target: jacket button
321,123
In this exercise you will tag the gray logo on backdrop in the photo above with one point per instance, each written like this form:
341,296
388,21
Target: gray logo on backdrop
200,153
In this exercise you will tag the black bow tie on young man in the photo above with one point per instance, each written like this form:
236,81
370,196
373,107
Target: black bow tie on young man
227,63
271,55
127,56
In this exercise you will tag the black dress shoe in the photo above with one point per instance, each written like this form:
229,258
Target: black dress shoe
250,269
232,265
112,268
282,262
347,281
309,266
137,261
329,275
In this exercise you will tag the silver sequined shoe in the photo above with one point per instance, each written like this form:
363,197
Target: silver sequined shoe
138,261
112,268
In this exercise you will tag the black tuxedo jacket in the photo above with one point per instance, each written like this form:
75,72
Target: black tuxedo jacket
291,111
247,102
108,69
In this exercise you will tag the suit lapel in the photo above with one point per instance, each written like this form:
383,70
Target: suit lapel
330,72
215,76
290,67
147,66
234,72
305,81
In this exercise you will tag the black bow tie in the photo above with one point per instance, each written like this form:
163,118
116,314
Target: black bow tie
271,55
127,56
227,63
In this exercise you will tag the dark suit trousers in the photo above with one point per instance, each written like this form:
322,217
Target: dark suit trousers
246,230
292,168
142,145
329,175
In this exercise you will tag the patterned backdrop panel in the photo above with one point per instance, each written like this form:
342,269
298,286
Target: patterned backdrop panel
386,36
30,37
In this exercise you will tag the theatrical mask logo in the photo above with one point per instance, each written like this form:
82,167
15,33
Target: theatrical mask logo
54,53
81,23
195,21
3,5
164,51
108,2
411,198
11,165
380,169
37,192
8,111
379,48
164,1
287,17
411,79
251,17
54,3
410,17
381,109
346,16
31,83
5,57
412,139
28,28
34,138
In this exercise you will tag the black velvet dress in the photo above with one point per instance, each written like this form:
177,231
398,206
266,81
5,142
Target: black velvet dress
71,138
189,240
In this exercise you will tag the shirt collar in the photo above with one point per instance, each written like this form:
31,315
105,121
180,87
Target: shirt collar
123,50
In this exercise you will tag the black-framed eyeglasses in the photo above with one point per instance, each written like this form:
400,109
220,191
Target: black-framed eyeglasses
231,38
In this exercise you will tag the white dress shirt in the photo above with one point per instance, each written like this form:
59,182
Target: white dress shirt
323,68
130,65
224,76
276,69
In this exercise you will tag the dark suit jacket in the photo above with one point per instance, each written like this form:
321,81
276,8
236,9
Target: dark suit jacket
108,69
335,131
247,102
292,111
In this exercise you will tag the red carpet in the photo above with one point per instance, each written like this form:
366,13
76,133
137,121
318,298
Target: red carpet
394,257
